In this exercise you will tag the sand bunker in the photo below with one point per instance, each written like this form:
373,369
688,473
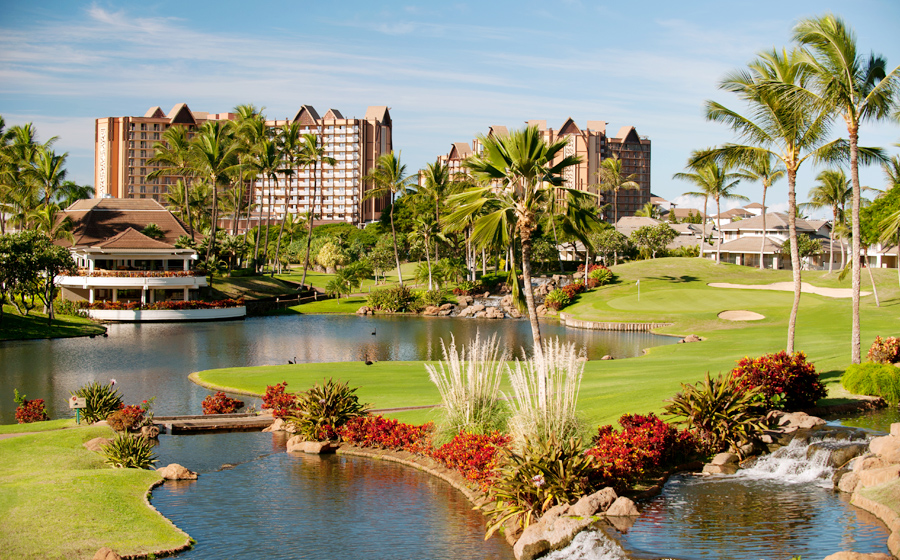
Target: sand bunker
740,315
789,287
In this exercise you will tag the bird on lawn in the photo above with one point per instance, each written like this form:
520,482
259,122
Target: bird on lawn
294,361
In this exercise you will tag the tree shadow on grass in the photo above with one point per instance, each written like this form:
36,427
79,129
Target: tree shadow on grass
683,279
830,375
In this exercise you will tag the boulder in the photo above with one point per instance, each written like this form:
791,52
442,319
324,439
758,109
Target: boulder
874,477
553,531
797,420
431,311
97,443
445,313
719,469
622,507
846,555
279,425
365,310
106,553
690,338
448,306
150,432
175,471
868,463
895,429
725,459
599,501
887,447
464,301
299,445
838,454
607,357
848,483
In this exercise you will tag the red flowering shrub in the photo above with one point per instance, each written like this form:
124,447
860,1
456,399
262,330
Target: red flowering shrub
281,403
885,350
573,289
30,411
645,443
220,403
785,381
591,268
377,431
472,455
126,418
176,305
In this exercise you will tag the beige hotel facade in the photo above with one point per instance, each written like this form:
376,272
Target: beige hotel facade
124,146
593,145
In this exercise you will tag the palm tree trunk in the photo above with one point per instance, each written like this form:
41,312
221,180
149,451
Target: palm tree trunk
210,246
855,247
762,246
529,298
831,239
484,260
872,278
428,260
795,256
312,214
705,215
396,253
718,231
556,241
187,208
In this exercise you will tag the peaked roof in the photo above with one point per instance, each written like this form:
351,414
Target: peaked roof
498,130
181,114
460,150
379,113
306,115
155,113
754,205
628,133
132,239
569,127
775,221
99,220
540,124
333,114
597,126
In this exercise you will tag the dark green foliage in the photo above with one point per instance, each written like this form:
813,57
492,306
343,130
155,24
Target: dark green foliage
877,380
394,299
128,451
322,410
557,299
101,400
431,297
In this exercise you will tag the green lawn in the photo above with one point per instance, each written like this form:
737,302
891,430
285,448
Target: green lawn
671,290
58,500
16,327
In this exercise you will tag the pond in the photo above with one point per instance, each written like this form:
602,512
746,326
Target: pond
155,359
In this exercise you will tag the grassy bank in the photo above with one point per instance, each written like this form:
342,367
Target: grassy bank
58,500
17,327
673,290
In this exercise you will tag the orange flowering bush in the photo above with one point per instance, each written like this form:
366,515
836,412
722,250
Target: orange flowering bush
473,455
784,381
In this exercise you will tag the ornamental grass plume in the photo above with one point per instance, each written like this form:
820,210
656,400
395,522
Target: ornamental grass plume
469,383
544,394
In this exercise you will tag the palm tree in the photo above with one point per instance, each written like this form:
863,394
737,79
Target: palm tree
46,219
47,171
713,181
648,210
426,229
436,187
766,171
269,161
833,191
524,163
213,156
250,129
70,191
291,145
792,132
311,154
612,180
858,89
389,178
173,153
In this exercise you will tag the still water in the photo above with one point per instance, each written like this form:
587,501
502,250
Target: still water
155,359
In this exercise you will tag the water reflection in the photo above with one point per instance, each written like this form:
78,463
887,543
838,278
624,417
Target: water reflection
275,505
155,359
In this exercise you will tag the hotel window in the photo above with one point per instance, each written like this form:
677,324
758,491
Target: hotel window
143,126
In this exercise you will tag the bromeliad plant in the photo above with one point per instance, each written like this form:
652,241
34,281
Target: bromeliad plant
322,410
545,473
469,383
100,400
718,412
128,451
28,411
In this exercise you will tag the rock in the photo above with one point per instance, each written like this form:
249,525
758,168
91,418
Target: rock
869,463
607,357
874,477
725,459
279,425
795,420
431,311
858,556
719,469
543,310
887,447
150,432
597,502
96,444
514,313
365,310
622,507
838,455
464,301
578,275
448,306
622,524
299,445
445,313
691,338
106,553
895,429
553,531
848,483
175,471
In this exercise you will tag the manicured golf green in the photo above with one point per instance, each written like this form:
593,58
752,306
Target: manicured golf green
671,290
59,500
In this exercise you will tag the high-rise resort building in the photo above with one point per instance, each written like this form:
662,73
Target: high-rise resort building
594,146
124,147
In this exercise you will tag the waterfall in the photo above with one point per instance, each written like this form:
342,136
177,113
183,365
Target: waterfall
804,461
589,545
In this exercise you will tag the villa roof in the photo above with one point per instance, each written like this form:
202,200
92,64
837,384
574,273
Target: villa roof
748,244
380,113
754,205
99,220
132,239
628,224
682,213
775,221
460,150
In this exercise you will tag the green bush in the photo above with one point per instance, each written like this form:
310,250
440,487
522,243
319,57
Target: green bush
100,400
127,451
602,276
528,483
557,299
431,297
394,299
322,410
877,380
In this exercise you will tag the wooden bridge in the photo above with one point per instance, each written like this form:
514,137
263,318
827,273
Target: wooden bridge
240,422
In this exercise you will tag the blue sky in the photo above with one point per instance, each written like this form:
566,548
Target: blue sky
446,70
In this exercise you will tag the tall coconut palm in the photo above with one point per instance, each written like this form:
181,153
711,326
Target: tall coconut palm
173,155
792,132
389,178
213,156
766,171
290,143
529,170
612,180
713,181
270,164
436,186
858,89
70,191
312,154
46,219
249,129
833,191
48,171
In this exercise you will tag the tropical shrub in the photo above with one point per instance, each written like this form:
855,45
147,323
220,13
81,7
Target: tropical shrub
885,350
544,394
874,379
377,431
601,275
430,297
279,401
784,381
545,473
28,411
718,412
100,400
557,299
467,288
469,384
393,299
126,418
128,451
645,444
492,280
573,289
322,410
220,403
473,455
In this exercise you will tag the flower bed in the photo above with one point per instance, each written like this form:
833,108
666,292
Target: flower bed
97,273
163,305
